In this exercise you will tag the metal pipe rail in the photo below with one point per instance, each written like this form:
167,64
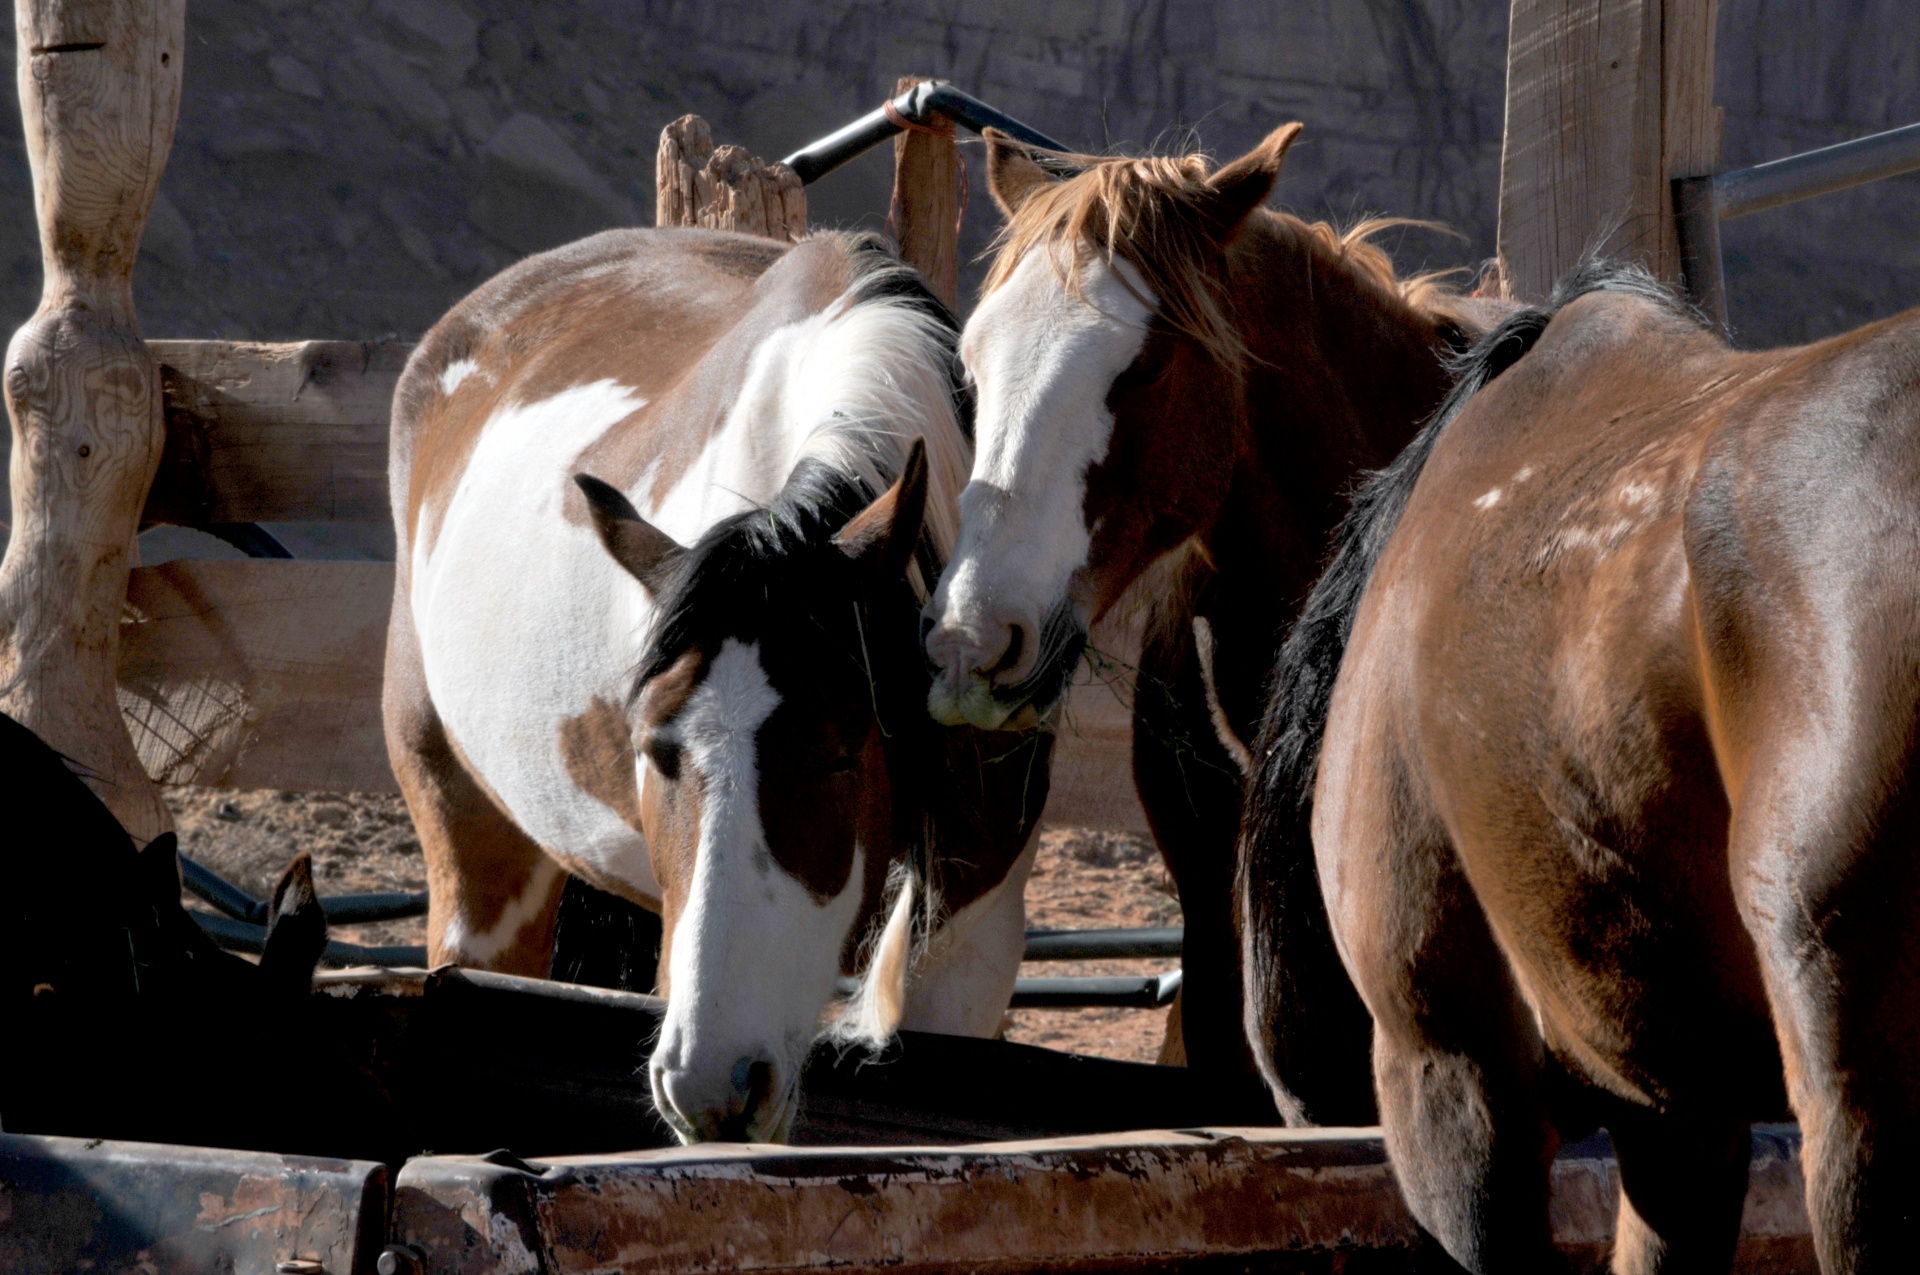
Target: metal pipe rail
918,104
1103,945
1700,204
342,909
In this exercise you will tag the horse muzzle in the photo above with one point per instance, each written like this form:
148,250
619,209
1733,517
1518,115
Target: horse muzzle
752,1102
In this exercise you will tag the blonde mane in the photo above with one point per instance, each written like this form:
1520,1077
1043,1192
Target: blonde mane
1151,212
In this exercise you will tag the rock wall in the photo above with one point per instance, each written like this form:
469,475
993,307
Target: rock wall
348,168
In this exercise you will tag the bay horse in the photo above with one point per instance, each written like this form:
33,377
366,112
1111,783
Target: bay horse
1613,795
1176,389
667,503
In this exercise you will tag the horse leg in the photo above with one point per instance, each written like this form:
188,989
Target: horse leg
964,989
1191,790
1458,1063
1683,1184
1827,878
492,893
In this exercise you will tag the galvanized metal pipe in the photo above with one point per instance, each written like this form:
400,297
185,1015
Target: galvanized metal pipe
1831,168
919,104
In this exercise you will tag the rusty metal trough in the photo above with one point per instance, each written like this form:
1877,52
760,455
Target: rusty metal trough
947,1154
1242,1199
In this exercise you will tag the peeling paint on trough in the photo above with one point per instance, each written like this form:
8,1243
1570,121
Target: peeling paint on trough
71,1204
1264,1199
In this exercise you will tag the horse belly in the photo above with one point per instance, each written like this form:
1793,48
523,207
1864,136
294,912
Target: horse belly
529,632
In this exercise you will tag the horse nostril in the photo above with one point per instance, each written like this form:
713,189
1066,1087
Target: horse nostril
926,627
1016,646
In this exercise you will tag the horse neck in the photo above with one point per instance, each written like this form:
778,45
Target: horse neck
1342,374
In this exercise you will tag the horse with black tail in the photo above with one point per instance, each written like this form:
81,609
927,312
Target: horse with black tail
1599,739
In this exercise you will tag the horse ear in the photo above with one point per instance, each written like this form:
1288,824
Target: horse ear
1236,189
1012,175
296,931
883,535
636,544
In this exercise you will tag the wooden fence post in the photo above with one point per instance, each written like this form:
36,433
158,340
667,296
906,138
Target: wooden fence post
99,88
1607,102
926,202
724,188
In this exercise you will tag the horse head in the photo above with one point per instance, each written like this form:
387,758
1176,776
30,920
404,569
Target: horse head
775,719
1108,379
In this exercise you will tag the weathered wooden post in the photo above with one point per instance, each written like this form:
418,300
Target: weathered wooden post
724,188
926,199
1608,101
99,94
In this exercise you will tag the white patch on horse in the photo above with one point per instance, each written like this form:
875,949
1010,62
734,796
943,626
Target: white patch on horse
524,620
1489,500
754,957
480,947
965,980
1044,362
454,373
850,386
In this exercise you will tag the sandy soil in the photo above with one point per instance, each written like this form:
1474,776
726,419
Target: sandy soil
1083,879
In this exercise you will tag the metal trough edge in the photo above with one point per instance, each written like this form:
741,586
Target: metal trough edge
1285,1199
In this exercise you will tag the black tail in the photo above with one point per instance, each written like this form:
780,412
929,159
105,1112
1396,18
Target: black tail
1309,1031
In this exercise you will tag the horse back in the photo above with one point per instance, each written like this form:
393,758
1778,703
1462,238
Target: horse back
647,310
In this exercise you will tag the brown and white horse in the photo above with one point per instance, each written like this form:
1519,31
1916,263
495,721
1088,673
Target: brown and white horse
1176,391
1614,799
654,624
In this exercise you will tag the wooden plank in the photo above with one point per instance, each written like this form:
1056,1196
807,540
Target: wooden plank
1582,139
926,201
260,432
261,674
1691,122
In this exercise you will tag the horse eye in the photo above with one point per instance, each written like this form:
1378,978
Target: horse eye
839,764
663,753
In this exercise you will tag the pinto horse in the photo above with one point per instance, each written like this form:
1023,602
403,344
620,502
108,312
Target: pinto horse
1614,806
1176,391
665,534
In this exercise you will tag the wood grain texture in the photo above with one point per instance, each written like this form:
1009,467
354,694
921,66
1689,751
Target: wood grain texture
926,203
274,432
1604,99
266,674
99,84
262,674
724,188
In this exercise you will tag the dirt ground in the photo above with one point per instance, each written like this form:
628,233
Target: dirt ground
1083,879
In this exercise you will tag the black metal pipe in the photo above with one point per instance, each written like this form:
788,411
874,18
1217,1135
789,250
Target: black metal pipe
215,889
1136,992
1103,945
243,936
919,103
341,909
1696,219
1831,168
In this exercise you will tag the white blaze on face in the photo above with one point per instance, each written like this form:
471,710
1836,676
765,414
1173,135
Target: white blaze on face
1044,361
754,956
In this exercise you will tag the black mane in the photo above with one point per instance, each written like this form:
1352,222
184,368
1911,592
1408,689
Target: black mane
1276,866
